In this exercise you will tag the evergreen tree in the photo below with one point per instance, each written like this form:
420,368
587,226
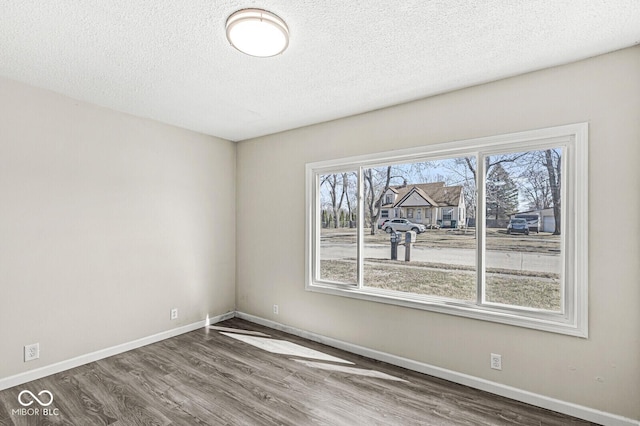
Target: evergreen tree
502,194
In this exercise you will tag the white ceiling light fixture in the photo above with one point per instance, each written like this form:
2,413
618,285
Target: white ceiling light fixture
257,32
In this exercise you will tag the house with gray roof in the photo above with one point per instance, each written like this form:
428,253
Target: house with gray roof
432,204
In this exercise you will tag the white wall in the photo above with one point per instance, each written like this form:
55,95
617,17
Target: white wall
601,372
107,221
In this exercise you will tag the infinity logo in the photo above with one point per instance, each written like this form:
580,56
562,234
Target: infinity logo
26,404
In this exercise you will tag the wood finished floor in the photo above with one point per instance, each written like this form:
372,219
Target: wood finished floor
206,377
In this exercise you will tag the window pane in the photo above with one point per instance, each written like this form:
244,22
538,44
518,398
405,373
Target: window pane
338,217
437,199
523,214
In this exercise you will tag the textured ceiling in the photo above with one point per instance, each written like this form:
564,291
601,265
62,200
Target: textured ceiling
169,60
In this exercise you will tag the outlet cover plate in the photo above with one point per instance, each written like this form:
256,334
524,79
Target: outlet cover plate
496,361
31,352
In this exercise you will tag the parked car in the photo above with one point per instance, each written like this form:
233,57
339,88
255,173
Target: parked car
518,226
381,223
533,220
403,225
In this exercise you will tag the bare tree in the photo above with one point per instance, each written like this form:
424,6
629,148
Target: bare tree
492,161
462,173
350,194
540,180
502,160
336,187
553,163
377,182
536,188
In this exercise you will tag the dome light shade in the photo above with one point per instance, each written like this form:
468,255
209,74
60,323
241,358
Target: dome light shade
257,32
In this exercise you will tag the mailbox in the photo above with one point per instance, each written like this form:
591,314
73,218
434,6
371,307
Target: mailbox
395,240
410,237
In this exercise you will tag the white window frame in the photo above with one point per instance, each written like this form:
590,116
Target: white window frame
573,317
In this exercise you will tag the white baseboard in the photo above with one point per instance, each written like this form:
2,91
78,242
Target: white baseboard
516,394
19,379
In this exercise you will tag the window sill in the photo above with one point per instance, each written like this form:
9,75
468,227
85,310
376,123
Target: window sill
527,318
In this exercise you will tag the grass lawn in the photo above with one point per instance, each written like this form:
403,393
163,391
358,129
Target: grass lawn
534,290
540,290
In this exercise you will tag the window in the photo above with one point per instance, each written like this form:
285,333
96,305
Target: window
487,266
384,214
337,200
388,199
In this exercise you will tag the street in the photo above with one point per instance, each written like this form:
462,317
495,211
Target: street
518,261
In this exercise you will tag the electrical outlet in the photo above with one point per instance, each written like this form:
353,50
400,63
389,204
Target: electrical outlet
496,361
275,309
31,352
174,313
